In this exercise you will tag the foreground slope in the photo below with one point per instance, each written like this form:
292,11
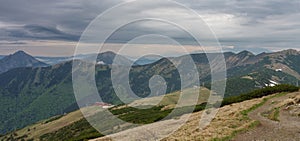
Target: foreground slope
279,119
232,119
236,121
64,124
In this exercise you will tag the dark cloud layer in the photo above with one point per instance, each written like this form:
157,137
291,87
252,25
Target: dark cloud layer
37,32
271,24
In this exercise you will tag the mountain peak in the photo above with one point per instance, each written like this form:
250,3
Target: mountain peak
109,56
290,52
20,53
18,56
245,52
108,53
17,60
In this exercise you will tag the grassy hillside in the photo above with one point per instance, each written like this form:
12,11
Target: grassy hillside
170,100
77,128
67,130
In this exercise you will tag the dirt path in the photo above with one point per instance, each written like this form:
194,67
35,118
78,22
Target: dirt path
226,121
219,127
287,129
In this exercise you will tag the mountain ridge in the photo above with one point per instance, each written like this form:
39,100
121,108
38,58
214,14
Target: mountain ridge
25,90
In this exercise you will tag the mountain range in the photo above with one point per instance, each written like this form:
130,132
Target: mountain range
32,91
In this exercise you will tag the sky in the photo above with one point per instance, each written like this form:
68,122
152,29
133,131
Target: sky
53,28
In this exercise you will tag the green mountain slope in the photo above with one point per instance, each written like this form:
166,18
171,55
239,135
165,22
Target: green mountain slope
32,94
28,95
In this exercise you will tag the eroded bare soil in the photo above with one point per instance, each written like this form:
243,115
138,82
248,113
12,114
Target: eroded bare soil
286,129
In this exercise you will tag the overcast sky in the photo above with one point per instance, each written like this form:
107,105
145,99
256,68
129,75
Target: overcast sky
53,28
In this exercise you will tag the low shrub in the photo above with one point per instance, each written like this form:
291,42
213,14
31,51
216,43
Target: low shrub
260,93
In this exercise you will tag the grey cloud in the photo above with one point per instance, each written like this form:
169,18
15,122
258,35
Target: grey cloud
71,15
37,32
270,23
13,43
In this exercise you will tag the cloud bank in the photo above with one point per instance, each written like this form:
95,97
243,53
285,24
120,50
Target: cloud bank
254,25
